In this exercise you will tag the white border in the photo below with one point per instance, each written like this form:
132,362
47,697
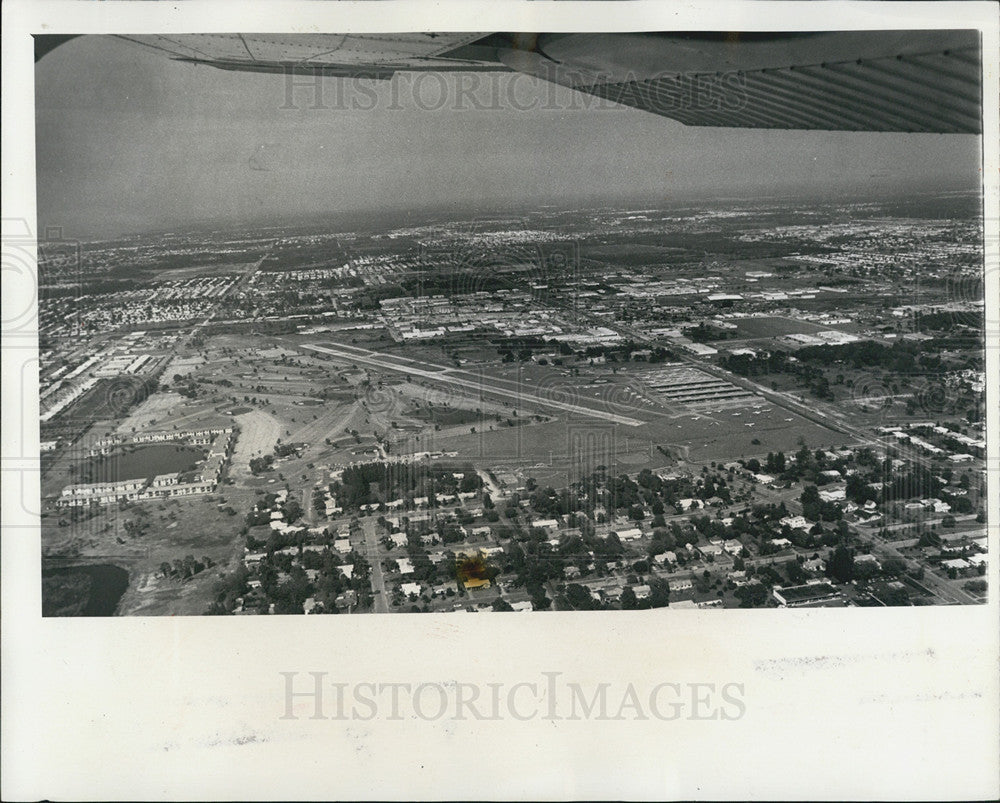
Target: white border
841,704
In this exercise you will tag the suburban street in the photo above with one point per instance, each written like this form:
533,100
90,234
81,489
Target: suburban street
368,525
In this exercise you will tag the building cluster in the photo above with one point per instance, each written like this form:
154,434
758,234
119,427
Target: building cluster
195,437
511,313
161,486
829,337
60,386
957,447
198,288
310,545
686,385
163,302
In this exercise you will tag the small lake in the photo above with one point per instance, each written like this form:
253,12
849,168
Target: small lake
141,461
85,590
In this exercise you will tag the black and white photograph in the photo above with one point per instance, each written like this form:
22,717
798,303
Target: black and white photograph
493,322
673,329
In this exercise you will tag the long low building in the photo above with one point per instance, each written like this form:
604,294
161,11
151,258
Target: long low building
198,437
809,594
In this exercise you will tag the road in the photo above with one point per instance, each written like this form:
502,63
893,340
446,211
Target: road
496,494
927,523
308,511
236,286
946,590
450,377
368,525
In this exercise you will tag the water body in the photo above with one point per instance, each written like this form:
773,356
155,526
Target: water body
142,461
86,590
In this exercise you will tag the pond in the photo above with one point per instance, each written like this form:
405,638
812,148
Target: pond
141,461
86,590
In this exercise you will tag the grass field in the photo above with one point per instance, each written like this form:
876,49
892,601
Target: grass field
446,416
108,399
169,530
752,328
155,408
730,433
566,448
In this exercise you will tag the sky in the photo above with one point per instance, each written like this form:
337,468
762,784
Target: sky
128,141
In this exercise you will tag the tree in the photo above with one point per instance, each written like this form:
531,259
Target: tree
579,597
501,605
840,566
659,593
893,566
752,595
812,505
893,596
865,571
629,600
796,574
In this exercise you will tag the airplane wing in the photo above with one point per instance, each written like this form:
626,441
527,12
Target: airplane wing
376,56
919,81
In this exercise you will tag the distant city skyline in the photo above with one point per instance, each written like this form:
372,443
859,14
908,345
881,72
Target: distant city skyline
129,141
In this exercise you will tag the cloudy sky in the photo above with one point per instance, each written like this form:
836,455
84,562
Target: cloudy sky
128,140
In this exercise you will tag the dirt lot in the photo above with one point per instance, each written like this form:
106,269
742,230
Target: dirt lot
259,431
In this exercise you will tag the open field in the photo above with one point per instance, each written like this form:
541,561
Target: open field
446,416
556,452
200,271
153,409
729,433
167,530
332,419
109,398
259,431
183,365
776,326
